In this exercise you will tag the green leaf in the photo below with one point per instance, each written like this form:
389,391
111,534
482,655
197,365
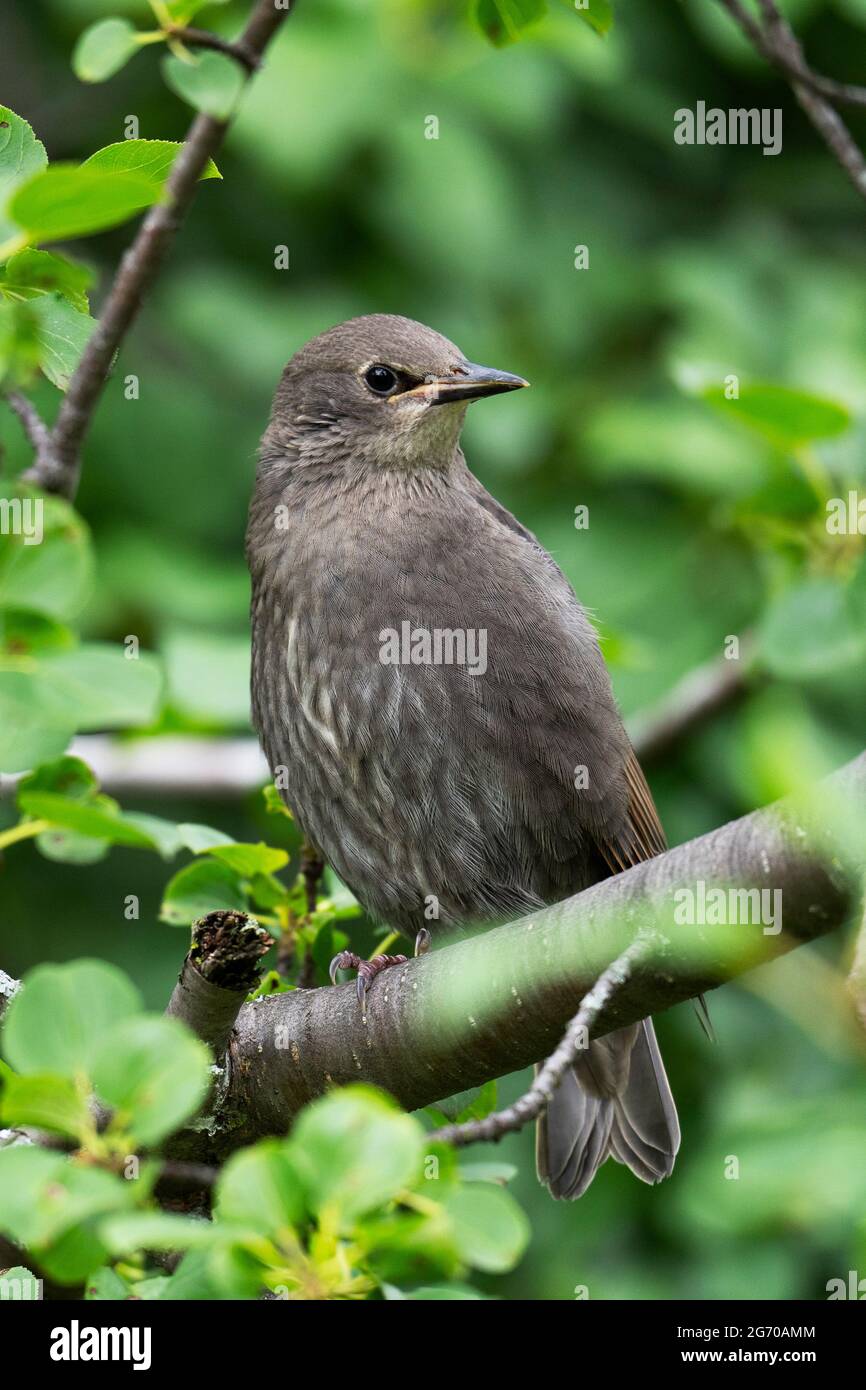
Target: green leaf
104,1283
248,860
30,728
62,333
54,576
481,1104
152,158
208,675
103,49
857,594
785,416
32,273
29,634
274,803
200,888
56,1021
201,837
211,82
69,200
487,1172
598,14
21,156
355,1150
435,1293
100,688
490,1229
259,1187
182,11
503,21
69,847
69,777
164,835
100,819
474,1104
154,1073
20,352
155,1230
191,1281
53,1207
810,631
48,1102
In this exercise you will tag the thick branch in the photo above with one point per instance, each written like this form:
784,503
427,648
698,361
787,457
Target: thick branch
219,972
58,459
501,1000
536,1100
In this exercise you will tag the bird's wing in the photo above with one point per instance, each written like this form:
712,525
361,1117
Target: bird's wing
641,835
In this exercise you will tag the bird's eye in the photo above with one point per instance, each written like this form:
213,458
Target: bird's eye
380,379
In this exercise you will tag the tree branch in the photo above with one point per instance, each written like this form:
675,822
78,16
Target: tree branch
498,1001
536,1100
220,971
791,63
34,426
203,38
778,43
58,458
700,694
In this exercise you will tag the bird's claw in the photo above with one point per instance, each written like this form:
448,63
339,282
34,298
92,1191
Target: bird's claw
367,969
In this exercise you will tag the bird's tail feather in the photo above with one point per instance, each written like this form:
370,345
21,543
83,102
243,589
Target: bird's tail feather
614,1103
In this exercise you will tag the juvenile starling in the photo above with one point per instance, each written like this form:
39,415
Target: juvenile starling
435,693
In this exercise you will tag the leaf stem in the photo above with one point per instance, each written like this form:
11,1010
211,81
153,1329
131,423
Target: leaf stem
24,830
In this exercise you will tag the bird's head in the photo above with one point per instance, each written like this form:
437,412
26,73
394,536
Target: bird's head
382,390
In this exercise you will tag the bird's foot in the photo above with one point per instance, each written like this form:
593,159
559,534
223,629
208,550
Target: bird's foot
369,969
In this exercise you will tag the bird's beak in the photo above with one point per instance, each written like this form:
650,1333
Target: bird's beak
466,383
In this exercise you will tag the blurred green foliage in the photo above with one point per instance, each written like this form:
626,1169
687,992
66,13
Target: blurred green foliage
707,510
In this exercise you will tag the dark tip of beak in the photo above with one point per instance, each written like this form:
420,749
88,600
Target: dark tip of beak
470,382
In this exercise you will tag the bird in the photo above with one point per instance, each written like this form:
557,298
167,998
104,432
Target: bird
486,783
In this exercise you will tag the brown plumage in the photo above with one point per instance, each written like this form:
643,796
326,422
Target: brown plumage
489,792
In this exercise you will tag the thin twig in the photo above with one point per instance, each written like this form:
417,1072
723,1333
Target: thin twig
59,466
203,38
34,426
779,44
790,64
536,1100
693,701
